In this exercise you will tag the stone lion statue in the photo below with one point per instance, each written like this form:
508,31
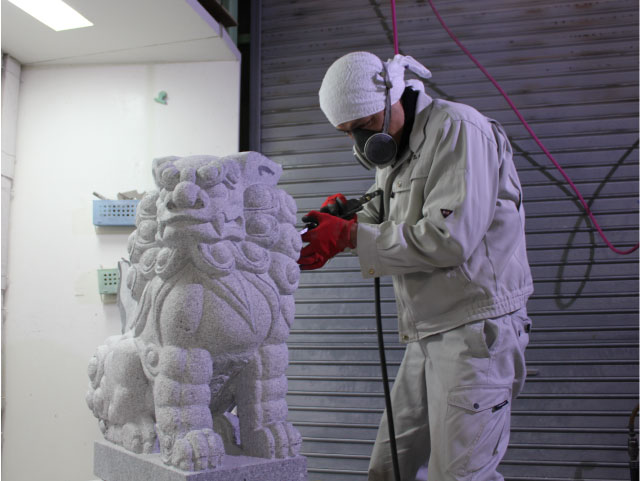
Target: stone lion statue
207,303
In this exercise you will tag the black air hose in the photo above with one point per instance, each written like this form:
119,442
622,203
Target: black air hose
383,365
633,445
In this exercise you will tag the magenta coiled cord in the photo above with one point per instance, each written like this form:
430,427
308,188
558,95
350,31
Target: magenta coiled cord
520,117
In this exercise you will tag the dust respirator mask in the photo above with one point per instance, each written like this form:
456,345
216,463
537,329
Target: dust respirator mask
376,149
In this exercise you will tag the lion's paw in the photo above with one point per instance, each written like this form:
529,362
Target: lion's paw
197,450
277,440
139,437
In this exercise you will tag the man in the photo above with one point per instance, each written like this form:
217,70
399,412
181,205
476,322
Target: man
449,229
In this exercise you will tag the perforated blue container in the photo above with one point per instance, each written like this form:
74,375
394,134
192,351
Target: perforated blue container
114,212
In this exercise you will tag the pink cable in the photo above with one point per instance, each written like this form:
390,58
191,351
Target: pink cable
395,27
526,125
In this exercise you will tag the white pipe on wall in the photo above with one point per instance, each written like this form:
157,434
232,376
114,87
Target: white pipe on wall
10,90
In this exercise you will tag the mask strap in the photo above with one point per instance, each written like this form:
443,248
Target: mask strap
387,99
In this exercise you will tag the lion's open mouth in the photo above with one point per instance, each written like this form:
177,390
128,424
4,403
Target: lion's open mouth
212,230
199,204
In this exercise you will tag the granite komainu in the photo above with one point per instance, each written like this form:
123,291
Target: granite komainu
206,299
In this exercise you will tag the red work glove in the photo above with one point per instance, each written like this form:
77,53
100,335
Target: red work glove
333,199
330,237
336,204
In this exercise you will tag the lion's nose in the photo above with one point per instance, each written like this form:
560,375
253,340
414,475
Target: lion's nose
186,195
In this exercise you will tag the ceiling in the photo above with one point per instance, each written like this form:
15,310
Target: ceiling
124,31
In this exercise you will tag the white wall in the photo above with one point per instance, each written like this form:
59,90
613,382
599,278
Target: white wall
85,129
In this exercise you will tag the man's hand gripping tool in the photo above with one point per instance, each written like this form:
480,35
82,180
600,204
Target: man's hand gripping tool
344,210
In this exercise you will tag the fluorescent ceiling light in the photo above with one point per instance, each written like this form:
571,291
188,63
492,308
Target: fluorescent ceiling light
53,13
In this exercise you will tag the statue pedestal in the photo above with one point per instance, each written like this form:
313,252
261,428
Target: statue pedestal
114,463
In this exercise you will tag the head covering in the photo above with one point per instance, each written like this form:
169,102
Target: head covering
354,85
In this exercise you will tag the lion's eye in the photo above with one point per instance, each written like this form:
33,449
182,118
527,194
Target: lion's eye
210,174
170,177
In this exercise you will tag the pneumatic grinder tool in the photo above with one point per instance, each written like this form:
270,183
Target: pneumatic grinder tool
344,210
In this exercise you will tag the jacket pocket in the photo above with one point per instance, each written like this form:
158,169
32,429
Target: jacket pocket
477,427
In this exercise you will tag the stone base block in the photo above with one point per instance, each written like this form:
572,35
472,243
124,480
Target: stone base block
113,463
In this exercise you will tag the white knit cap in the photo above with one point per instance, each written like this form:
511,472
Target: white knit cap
354,86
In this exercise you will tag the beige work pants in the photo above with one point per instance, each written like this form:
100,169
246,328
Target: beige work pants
451,402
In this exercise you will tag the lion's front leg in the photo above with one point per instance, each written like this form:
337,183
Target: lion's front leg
184,423
262,405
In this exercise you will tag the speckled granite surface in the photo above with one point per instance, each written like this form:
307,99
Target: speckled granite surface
113,463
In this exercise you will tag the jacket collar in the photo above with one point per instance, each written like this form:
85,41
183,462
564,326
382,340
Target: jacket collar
423,110
416,139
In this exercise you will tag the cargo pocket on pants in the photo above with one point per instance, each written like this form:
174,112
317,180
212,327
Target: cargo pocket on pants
476,427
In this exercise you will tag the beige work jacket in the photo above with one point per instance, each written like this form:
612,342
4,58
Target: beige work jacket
453,235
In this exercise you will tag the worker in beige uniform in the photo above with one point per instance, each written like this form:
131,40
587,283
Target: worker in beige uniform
452,238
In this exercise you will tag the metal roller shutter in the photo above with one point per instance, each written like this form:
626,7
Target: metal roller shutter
572,68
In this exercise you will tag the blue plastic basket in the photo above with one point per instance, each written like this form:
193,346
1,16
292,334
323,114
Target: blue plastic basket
114,212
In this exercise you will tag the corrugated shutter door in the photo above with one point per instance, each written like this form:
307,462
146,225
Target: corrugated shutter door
572,68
